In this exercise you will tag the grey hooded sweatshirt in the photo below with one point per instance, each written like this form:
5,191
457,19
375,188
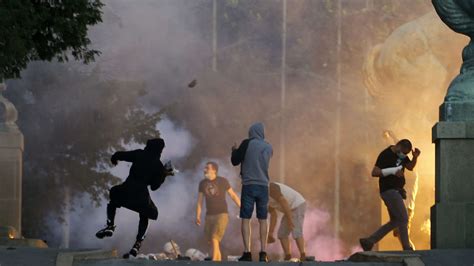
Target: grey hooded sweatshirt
254,155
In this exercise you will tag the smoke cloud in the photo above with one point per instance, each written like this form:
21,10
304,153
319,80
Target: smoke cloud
166,44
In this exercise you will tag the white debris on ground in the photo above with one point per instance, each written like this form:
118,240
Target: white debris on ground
171,251
195,255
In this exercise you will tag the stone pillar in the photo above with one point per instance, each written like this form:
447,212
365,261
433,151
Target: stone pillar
452,216
11,159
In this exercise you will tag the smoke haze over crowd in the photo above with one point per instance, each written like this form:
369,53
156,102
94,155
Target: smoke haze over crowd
161,46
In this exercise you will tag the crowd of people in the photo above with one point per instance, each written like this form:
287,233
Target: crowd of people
258,193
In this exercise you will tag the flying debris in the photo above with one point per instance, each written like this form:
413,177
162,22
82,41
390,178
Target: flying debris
192,84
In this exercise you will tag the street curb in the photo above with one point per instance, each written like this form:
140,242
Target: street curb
67,258
408,259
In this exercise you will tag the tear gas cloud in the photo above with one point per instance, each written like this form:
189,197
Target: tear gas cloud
168,43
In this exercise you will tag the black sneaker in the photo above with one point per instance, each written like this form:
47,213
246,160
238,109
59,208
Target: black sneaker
366,244
134,251
135,248
263,256
108,231
247,256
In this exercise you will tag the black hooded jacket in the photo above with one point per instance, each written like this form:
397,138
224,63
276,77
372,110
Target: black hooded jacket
146,170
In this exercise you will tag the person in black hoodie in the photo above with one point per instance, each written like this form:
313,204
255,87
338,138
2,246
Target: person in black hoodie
146,170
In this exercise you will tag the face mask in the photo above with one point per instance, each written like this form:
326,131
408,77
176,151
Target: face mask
401,155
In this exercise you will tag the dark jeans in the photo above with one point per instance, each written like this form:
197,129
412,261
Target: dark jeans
398,219
254,195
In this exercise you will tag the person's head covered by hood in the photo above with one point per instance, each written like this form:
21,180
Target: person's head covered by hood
257,131
155,146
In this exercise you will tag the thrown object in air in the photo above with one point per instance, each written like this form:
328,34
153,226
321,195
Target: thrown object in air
193,83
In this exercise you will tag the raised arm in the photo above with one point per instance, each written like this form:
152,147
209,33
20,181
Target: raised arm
411,165
238,154
128,156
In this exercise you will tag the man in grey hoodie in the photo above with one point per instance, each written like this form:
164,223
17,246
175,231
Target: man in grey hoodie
254,155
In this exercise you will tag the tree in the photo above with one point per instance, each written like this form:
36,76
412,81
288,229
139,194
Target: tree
72,125
32,30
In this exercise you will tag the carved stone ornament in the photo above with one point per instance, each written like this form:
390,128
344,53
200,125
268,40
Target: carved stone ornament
8,112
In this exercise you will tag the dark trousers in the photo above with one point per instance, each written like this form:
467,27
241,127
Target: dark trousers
142,224
398,219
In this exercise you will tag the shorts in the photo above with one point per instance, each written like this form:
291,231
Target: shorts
298,220
254,195
215,226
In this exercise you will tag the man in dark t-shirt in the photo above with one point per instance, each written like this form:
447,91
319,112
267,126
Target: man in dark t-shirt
214,188
389,167
387,159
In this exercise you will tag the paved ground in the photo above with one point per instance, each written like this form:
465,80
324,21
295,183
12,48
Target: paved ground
448,257
23,256
27,256
175,263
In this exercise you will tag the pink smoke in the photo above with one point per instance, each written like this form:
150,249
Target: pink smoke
319,236
319,239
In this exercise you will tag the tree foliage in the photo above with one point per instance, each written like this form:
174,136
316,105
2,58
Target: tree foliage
32,30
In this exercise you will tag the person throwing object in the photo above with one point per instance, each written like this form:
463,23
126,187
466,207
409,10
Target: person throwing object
146,170
254,155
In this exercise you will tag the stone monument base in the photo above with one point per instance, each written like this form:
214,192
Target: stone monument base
456,111
452,217
452,225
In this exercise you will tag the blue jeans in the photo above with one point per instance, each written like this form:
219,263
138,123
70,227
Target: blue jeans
254,195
